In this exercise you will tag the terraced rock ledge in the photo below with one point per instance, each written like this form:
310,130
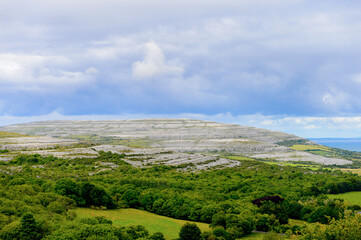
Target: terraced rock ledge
190,143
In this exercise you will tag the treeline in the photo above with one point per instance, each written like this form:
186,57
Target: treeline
49,188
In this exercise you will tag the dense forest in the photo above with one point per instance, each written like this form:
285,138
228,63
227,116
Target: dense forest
38,195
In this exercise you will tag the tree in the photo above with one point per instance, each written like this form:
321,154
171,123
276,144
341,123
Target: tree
95,196
29,228
190,231
156,236
68,188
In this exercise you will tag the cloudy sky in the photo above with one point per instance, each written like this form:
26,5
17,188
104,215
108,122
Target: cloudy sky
288,65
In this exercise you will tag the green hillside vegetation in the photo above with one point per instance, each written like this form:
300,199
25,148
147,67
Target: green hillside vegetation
50,188
43,195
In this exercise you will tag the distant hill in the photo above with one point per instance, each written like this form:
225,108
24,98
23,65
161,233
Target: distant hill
162,141
173,134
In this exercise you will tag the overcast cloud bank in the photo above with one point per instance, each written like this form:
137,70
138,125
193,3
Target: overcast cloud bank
272,58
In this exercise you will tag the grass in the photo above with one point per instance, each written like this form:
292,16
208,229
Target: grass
240,158
312,166
154,223
356,171
11,135
310,147
96,139
302,165
331,152
351,197
254,236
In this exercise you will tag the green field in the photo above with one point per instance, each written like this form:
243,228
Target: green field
152,222
351,197
254,236
240,158
302,165
356,171
275,162
310,147
11,135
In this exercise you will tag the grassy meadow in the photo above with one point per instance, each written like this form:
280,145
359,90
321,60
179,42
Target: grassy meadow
280,163
351,197
356,171
11,135
154,223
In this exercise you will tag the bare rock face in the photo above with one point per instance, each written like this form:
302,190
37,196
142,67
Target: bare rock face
173,134
179,142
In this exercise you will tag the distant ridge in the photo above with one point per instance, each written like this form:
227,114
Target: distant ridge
162,141
176,134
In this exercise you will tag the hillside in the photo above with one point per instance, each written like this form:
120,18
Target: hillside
158,141
64,176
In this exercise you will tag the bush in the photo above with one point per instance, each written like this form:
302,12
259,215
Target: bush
157,236
190,231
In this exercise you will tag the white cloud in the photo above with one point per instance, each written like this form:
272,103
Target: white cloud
40,73
310,127
356,78
337,100
154,64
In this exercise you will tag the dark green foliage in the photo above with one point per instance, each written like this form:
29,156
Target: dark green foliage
97,228
112,157
265,222
103,220
95,196
190,231
156,236
86,194
221,197
32,159
131,198
220,233
277,209
137,231
235,225
68,188
29,228
293,209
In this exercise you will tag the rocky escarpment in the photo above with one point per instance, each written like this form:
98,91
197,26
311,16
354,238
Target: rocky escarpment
174,134
157,141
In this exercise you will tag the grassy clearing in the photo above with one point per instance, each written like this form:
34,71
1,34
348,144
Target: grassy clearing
310,147
96,139
254,236
240,158
154,223
275,162
302,165
356,171
331,152
11,135
351,197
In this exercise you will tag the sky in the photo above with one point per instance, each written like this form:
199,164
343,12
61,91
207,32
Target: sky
292,66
